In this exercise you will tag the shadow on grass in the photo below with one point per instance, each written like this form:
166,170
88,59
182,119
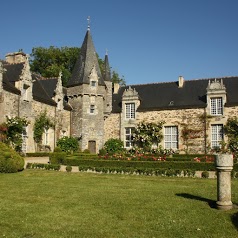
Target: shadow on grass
210,202
234,219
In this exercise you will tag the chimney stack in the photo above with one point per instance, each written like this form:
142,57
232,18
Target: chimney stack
16,57
181,81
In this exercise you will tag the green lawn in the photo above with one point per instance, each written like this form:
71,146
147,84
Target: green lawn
37,203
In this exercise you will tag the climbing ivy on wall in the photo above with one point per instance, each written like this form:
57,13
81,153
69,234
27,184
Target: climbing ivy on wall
231,130
42,122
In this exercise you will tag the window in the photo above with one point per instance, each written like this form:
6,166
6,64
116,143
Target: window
217,136
216,106
24,138
25,92
92,109
128,137
93,83
46,139
130,110
171,137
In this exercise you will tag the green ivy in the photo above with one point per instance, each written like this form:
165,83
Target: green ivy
231,130
42,122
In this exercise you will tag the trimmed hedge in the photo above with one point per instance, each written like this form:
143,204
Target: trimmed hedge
60,159
38,154
43,166
10,160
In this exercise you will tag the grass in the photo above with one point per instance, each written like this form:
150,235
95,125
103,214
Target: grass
37,203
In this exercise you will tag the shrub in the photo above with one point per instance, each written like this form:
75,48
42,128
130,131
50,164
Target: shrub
68,144
86,151
205,174
68,168
57,158
57,149
114,146
10,160
37,154
102,152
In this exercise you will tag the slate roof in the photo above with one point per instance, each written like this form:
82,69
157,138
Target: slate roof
13,72
107,73
39,93
86,61
160,96
10,76
49,84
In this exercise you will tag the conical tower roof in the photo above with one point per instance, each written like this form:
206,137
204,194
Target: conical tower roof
85,63
107,73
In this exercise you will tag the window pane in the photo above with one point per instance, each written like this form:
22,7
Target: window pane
216,136
130,110
171,137
216,106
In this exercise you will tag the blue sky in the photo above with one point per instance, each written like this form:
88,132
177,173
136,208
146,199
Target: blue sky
148,41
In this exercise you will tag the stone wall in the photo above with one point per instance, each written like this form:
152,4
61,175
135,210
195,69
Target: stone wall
112,126
8,105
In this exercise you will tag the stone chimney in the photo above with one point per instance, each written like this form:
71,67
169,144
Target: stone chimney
116,87
181,81
16,57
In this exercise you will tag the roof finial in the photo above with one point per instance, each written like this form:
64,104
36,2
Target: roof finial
88,19
106,51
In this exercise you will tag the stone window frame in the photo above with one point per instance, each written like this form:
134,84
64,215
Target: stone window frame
216,106
25,92
130,110
171,137
128,137
93,83
217,135
92,109
46,136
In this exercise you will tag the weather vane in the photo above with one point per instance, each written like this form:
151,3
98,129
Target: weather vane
88,19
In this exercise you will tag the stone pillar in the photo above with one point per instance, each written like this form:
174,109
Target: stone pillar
224,165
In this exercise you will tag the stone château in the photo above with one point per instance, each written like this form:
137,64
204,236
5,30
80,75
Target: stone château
93,110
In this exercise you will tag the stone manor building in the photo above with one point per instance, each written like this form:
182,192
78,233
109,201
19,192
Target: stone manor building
94,110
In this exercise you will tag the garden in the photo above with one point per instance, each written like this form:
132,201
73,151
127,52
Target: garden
143,192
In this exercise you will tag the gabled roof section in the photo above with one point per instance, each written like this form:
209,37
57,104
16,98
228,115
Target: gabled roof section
86,61
160,96
17,69
39,93
49,84
13,71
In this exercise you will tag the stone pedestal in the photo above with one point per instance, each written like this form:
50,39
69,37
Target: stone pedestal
224,165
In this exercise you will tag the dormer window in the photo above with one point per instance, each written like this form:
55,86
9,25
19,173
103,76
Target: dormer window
130,110
26,92
93,83
216,106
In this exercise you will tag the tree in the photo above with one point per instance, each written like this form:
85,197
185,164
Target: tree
117,79
48,62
